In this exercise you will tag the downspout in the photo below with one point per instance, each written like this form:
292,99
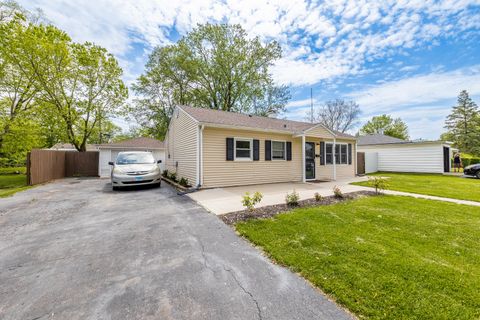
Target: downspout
200,156
303,159
334,159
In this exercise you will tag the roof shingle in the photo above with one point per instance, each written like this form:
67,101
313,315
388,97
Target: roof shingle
142,142
377,139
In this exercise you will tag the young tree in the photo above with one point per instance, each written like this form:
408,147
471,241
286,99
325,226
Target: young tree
213,66
463,124
80,82
338,115
386,125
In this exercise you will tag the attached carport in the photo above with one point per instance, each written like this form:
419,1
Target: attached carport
109,152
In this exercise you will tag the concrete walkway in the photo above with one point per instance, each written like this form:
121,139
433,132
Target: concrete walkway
224,200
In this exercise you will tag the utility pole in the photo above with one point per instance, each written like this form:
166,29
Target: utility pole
311,105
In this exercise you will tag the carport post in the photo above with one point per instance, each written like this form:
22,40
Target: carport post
303,158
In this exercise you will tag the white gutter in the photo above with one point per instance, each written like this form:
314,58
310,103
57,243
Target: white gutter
303,159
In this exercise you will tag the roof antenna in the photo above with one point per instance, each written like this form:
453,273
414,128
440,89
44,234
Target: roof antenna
311,105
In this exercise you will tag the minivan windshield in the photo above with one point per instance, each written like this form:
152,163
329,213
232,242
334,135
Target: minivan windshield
135,158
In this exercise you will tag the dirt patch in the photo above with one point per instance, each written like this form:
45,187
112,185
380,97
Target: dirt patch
270,211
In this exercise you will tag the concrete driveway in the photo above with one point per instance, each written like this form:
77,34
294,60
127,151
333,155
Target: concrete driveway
74,249
224,200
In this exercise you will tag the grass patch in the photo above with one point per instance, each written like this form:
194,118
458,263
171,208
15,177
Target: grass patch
431,184
382,257
13,170
12,183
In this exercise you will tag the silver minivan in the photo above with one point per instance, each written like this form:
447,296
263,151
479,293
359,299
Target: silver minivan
135,168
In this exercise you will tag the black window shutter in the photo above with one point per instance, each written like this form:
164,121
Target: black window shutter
289,151
229,149
322,153
349,153
256,150
268,150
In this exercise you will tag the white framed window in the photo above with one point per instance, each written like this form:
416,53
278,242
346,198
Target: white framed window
279,150
243,149
341,153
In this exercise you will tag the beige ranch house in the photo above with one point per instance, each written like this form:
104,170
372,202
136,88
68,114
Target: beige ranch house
214,148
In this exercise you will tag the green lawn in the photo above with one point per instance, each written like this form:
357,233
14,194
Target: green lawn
432,184
12,183
383,257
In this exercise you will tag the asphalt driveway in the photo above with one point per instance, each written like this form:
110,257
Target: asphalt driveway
74,249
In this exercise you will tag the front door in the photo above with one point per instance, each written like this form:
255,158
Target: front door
309,160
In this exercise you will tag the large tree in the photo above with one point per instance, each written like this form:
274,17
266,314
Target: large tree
463,124
213,66
81,83
386,125
338,115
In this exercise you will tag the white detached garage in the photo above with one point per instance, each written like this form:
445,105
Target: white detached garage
109,152
384,153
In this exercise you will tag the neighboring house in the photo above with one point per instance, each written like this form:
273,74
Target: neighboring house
384,153
109,152
217,148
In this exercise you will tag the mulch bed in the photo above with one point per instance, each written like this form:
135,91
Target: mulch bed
270,211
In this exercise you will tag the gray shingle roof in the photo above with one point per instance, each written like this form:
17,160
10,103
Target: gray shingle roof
250,121
142,142
377,139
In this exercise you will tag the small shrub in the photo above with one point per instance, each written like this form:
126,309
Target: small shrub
183,182
292,198
173,177
165,173
318,197
378,183
249,202
337,193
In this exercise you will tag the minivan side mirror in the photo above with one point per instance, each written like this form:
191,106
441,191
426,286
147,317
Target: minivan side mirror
110,163
159,161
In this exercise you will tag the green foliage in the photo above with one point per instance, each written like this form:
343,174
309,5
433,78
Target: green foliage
463,125
165,173
318,197
337,193
382,257
379,183
12,170
173,176
183,182
213,66
249,201
292,199
386,125
430,184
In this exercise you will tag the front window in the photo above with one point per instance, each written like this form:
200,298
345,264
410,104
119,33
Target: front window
135,158
278,150
243,149
341,153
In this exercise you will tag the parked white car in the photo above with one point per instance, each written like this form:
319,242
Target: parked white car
135,168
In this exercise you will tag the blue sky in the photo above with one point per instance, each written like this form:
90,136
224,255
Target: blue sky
407,58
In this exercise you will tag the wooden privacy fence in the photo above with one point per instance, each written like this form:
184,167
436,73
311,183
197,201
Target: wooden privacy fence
47,165
360,162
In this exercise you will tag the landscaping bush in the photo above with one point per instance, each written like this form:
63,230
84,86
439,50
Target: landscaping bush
337,192
292,199
378,183
165,173
249,202
173,177
318,197
13,170
183,182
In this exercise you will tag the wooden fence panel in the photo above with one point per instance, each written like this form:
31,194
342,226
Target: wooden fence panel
47,165
360,162
84,164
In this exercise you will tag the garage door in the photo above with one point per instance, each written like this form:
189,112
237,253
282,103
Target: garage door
107,155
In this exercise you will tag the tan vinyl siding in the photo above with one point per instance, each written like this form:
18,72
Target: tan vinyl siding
218,172
319,132
182,146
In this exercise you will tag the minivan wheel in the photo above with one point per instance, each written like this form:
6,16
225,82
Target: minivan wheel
157,185
115,188
478,174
